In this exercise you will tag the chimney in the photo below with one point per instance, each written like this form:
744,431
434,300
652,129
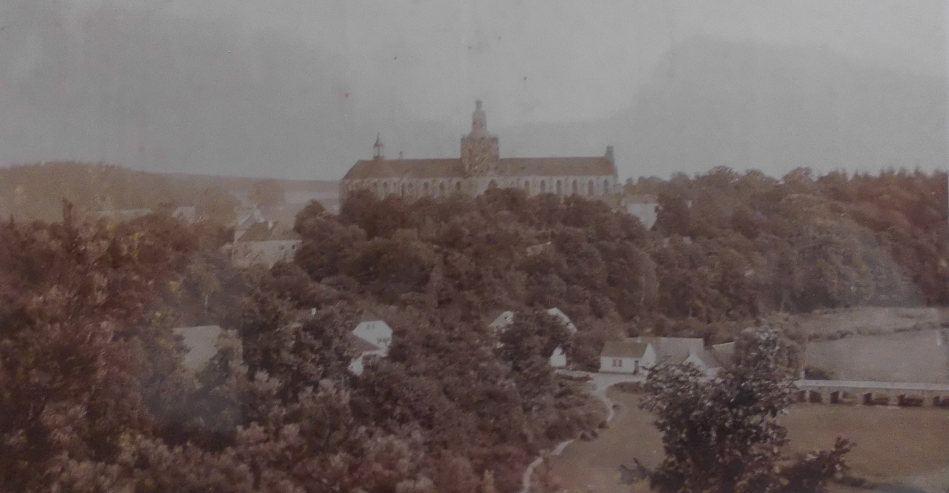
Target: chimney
400,155
609,153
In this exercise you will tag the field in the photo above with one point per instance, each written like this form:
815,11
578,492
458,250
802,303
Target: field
893,445
869,320
916,356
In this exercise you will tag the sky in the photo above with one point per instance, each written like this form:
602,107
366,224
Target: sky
394,64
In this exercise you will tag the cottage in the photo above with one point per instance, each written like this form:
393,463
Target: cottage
627,357
706,361
372,338
673,349
264,243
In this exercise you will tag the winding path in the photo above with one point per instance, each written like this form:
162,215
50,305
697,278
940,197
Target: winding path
600,382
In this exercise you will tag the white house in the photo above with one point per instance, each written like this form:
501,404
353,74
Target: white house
705,361
627,357
673,349
643,207
558,359
373,336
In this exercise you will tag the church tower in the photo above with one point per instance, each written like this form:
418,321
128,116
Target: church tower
479,149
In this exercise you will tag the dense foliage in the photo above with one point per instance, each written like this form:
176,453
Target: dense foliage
94,397
721,434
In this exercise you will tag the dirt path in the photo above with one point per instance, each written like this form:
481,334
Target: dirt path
599,382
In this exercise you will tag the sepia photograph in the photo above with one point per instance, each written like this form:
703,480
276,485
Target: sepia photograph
474,246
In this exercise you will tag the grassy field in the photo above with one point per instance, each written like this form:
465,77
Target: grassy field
893,445
917,356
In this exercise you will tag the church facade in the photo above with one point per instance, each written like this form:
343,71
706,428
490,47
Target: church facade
481,167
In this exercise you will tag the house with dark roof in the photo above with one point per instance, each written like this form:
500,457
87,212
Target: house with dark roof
480,168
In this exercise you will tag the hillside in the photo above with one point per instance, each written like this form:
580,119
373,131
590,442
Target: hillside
36,191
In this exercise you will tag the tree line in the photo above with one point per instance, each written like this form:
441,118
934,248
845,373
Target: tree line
94,397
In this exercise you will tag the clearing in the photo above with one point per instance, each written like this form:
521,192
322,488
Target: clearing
894,445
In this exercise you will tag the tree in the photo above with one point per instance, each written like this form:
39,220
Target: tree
721,435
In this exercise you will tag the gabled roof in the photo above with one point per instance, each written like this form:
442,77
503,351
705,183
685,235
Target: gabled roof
363,346
624,349
724,352
676,349
707,358
556,166
454,168
406,168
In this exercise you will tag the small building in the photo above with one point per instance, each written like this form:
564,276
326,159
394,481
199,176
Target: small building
372,338
558,359
264,243
673,349
643,207
627,356
706,361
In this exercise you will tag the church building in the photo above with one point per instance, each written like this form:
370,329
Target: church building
481,167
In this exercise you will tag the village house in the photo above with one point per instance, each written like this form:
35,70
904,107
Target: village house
264,243
372,338
627,357
637,355
643,207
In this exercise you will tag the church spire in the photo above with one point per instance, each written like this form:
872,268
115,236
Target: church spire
479,124
378,148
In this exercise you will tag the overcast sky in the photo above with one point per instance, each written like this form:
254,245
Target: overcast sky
532,61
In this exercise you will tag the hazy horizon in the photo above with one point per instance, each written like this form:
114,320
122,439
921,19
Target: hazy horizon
294,89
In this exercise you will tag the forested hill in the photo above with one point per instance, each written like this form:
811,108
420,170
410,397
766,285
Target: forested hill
35,191
94,395
726,247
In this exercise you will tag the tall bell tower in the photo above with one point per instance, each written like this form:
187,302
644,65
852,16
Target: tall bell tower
479,149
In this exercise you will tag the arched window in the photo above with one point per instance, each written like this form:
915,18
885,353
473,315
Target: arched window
559,188
606,187
458,186
425,189
574,187
411,189
441,188
590,187
492,185
543,186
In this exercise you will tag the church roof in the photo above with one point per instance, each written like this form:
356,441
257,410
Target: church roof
453,168
556,166
406,168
